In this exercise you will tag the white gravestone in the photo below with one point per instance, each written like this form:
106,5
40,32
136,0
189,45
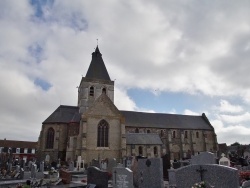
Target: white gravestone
224,161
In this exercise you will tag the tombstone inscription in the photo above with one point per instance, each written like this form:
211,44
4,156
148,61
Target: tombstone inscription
122,177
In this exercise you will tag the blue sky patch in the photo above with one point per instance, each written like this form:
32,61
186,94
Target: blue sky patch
167,101
36,51
38,6
43,84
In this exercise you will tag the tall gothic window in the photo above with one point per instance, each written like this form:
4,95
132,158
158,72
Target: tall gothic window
186,134
91,91
197,134
103,134
174,134
155,151
136,130
50,138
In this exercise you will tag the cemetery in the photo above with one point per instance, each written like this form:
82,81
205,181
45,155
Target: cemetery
201,170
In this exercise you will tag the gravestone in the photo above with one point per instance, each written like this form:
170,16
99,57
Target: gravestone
18,168
150,173
95,163
33,170
111,164
97,177
103,165
47,159
41,167
78,163
171,177
122,177
166,165
203,158
213,174
176,164
246,184
224,160
21,173
71,166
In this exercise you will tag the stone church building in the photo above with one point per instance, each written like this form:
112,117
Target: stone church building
97,129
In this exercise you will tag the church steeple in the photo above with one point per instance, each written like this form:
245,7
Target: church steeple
97,68
95,83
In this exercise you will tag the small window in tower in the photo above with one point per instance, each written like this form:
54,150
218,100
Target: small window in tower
148,131
197,134
136,130
91,91
104,90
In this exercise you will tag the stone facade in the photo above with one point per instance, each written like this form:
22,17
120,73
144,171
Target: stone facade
75,131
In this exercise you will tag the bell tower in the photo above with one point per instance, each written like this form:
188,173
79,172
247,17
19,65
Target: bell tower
96,82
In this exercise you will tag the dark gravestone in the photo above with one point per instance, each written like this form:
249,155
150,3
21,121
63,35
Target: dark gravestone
95,163
166,165
176,165
97,177
111,164
150,173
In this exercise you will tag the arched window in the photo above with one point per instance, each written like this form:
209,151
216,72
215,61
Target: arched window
104,90
155,150
197,134
136,130
91,91
148,131
50,138
140,151
174,134
103,134
185,134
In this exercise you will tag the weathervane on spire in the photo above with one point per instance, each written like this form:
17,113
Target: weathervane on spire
97,41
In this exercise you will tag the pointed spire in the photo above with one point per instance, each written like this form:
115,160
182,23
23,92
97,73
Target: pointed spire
97,49
97,68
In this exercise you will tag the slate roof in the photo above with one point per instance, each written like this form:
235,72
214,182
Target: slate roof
17,144
64,114
159,120
67,114
97,68
143,138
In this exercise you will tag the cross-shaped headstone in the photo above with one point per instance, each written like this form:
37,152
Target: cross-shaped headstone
201,171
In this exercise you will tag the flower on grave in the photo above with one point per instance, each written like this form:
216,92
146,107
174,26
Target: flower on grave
245,175
199,185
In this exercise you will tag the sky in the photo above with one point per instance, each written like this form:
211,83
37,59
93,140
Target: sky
183,57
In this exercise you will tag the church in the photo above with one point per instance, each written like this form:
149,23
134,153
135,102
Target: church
97,129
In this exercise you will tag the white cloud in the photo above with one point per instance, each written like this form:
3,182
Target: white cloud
236,118
195,47
225,106
190,112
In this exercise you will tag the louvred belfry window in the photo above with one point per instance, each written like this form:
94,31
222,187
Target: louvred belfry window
103,134
91,91
50,138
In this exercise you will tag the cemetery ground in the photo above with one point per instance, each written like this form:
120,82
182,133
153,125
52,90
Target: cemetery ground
202,170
